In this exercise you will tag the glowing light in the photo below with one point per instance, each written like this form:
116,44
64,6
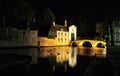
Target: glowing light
73,57
93,42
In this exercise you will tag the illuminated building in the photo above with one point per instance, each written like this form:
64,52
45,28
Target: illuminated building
59,32
59,35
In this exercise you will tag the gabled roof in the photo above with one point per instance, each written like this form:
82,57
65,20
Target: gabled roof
73,26
60,27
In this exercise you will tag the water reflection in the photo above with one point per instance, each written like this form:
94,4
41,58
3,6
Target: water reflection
62,52
73,56
63,56
85,51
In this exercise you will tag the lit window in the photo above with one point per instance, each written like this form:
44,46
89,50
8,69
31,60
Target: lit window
58,39
65,39
61,34
61,39
65,34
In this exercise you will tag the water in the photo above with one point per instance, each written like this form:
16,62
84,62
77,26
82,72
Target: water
62,55
62,52
63,60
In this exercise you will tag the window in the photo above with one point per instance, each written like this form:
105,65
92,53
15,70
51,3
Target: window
23,32
119,30
61,34
65,39
61,39
65,34
58,39
33,32
115,23
33,40
72,29
62,29
58,34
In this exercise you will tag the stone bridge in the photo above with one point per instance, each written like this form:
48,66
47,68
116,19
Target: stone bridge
89,43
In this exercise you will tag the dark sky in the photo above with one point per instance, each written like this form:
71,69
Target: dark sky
71,9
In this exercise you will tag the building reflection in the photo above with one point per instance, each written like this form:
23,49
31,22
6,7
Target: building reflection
67,56
61,57
101,52
73,56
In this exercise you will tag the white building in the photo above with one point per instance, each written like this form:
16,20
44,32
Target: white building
72,33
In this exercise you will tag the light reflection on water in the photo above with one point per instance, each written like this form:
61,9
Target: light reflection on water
62,55
83,51
57,55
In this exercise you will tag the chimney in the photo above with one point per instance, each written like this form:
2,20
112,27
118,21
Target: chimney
53,23
65,23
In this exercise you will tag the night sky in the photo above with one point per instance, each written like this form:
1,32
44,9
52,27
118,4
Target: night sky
98,10
72,9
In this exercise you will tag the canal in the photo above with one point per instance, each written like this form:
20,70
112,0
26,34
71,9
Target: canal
56,61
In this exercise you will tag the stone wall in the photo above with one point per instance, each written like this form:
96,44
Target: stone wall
47,42
50,42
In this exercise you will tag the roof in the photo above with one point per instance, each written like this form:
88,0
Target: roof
60,27
73,26
54,29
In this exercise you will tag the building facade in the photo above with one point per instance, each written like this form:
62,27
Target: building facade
13,37
59,35
116,32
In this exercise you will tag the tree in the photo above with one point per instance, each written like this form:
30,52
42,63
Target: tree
101,29
46,20
48,17
111,32
23,12
17,11
82,25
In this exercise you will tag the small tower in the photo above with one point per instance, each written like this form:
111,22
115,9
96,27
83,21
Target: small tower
65,24
72,33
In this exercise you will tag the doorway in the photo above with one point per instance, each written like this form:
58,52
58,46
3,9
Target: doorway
72,37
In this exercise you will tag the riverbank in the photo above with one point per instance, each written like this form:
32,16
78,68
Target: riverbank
17,47
113,49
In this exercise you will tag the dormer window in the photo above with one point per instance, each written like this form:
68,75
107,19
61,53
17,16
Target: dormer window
62,29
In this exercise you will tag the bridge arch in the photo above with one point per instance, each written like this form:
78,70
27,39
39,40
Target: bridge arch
100,44
87,44
84,42
74,44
